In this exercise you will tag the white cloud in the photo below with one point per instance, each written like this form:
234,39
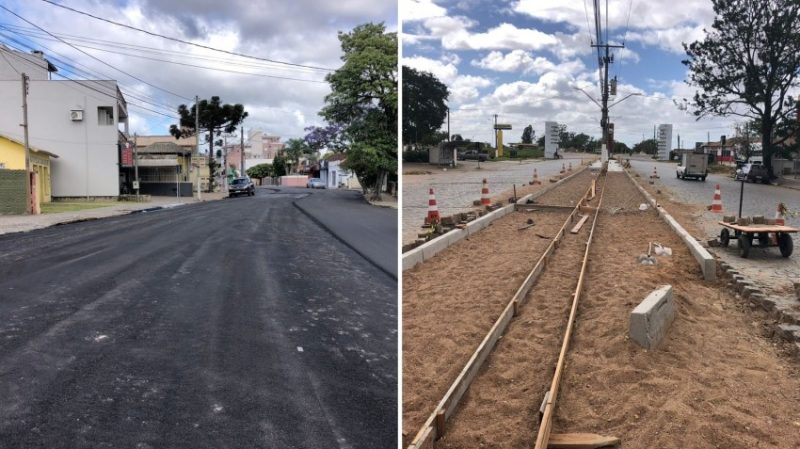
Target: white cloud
420,9
504,36
446,72
465,88
669,39
626,54
522,61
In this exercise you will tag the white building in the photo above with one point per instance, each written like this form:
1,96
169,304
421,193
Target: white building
335,176
78,120
262,146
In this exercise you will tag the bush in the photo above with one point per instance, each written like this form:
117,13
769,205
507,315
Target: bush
415,156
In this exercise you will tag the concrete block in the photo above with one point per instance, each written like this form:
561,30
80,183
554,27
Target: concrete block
433,247
412,258
651,319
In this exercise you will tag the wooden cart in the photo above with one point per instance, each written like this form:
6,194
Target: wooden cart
760,235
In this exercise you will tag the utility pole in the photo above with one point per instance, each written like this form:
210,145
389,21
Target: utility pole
197,141
448,123
241,171
604,62
136,165
28,199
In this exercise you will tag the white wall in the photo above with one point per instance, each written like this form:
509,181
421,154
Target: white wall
87,163
13,63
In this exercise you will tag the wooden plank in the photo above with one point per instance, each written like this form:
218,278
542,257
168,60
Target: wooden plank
543,435
448,404
759,228
580,441
579,225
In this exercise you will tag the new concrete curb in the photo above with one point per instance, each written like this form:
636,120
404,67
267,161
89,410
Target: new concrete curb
708,264
319,223
429,249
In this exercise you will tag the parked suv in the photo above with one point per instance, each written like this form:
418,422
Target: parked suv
241,186
473,155
758,172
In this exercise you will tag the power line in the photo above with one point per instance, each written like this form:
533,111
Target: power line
87,73
145,49
186,42
95,58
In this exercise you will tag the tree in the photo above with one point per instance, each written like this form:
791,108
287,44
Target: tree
329,137
747,65
363,100
528,134
260,171
296,149
424,105
457,138
279,166
648,146
215,118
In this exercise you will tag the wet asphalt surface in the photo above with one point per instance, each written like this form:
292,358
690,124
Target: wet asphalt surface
229,324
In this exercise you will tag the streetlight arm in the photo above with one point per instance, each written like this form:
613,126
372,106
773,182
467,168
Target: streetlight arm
635,94
590,97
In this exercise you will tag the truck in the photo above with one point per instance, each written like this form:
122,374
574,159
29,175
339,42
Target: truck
693,165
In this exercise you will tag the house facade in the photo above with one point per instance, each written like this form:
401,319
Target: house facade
334,176
12,157
80,121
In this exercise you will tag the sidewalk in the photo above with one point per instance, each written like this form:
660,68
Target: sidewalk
387,200
25,223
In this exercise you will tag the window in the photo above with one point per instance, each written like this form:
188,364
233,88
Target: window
105,115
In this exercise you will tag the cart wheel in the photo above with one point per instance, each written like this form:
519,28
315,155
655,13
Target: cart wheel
785,244
744,245
724,238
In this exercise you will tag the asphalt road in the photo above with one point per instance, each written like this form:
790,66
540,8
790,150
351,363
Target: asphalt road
229,324
758,199
371,231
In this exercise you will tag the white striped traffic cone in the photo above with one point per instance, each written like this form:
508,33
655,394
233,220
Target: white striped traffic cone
569,168
563,168
716,204
655,174
535,178
485,201
433,211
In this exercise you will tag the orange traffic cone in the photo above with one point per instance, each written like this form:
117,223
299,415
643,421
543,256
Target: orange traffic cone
716,204
535,178
485,201
569,167
433,211
563,168
655,174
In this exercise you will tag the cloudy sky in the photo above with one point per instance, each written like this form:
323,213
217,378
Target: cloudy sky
524,59
299,31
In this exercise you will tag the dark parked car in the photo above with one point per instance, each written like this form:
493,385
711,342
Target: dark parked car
473,155
758,172
241,186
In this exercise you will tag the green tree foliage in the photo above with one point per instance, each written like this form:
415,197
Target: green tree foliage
215,118
260,171
363,100
748,64
528,134
457,138
424,105
647,146
295,149
279,166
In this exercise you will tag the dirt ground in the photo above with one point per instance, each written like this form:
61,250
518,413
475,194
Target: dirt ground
569,192
714,381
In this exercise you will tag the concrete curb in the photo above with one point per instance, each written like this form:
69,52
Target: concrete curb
319,223
429,249
650,320
708,264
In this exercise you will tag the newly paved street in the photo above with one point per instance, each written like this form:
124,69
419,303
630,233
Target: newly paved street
231,324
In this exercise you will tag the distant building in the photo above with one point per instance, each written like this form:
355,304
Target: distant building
334,175
263,146
12,157
85,122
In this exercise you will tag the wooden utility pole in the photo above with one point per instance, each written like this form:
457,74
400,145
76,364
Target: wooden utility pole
136,165
197,142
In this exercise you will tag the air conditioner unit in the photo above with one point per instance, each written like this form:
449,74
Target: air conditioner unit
76,115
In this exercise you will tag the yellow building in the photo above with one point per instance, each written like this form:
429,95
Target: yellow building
12,157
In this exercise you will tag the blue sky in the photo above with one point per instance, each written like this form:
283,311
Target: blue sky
301,31
524,59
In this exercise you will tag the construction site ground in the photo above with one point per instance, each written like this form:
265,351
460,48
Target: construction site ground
714,382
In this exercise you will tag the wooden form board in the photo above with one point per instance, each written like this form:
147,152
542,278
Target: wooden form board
431,431
579,224
543,436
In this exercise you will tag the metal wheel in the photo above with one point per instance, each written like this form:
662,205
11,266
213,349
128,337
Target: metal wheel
785,244
724,237
744,245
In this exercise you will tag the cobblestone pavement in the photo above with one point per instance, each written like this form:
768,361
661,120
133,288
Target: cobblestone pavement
764,267
457,188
